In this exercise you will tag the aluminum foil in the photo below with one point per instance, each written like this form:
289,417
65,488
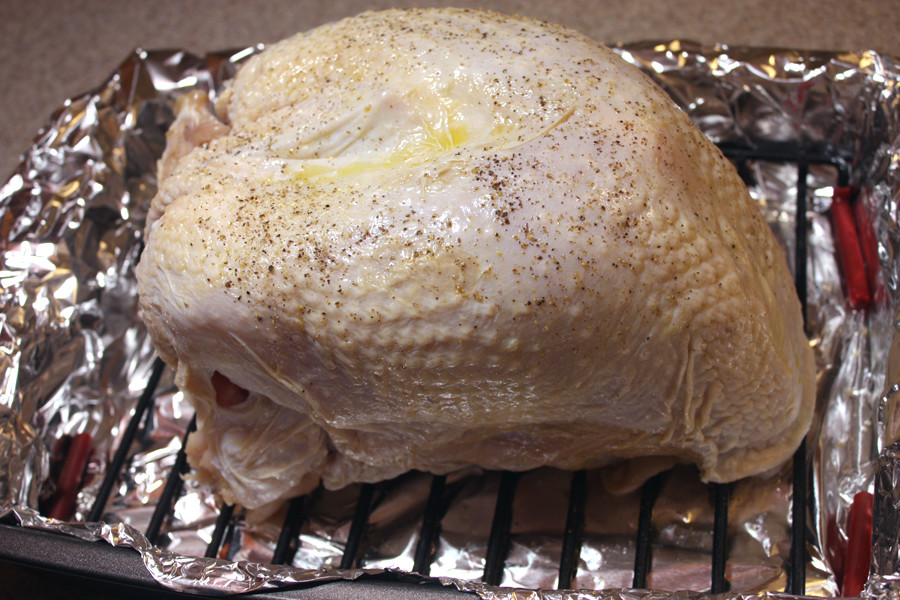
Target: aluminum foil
74,357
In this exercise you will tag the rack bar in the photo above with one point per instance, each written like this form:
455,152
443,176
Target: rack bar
172,489
285,547
426,547
796,583
721,495
785,152
222,522
743,170
571,547
643,551
796,576
114,468
499,540
358,525
801,245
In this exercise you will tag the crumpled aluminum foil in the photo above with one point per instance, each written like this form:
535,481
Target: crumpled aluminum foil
74,357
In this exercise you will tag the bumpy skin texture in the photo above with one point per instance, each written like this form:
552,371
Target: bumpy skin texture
432,239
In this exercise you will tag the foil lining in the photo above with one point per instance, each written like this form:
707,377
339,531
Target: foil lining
75,359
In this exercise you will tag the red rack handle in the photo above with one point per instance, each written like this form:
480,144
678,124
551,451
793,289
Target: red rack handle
859,545
62,504
868,242
848,247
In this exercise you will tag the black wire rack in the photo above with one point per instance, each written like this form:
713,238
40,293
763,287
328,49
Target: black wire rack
101,562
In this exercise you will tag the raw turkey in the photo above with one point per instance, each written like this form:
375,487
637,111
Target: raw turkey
432,239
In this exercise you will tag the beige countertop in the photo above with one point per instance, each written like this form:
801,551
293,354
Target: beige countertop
51,50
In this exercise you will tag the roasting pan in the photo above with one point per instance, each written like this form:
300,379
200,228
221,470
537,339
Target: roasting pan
821,146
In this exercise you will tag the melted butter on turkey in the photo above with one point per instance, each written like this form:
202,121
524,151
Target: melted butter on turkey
437,238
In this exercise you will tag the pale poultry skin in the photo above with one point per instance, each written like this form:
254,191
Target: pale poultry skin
432,239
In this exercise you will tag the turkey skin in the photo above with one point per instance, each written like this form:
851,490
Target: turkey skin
432,239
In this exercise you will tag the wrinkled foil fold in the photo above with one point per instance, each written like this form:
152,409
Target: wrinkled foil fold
74,357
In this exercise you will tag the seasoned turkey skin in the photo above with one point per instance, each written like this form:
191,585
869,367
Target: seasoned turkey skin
431,239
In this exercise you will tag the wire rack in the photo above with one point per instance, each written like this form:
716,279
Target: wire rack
103,563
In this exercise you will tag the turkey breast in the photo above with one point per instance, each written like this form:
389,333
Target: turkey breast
431,239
